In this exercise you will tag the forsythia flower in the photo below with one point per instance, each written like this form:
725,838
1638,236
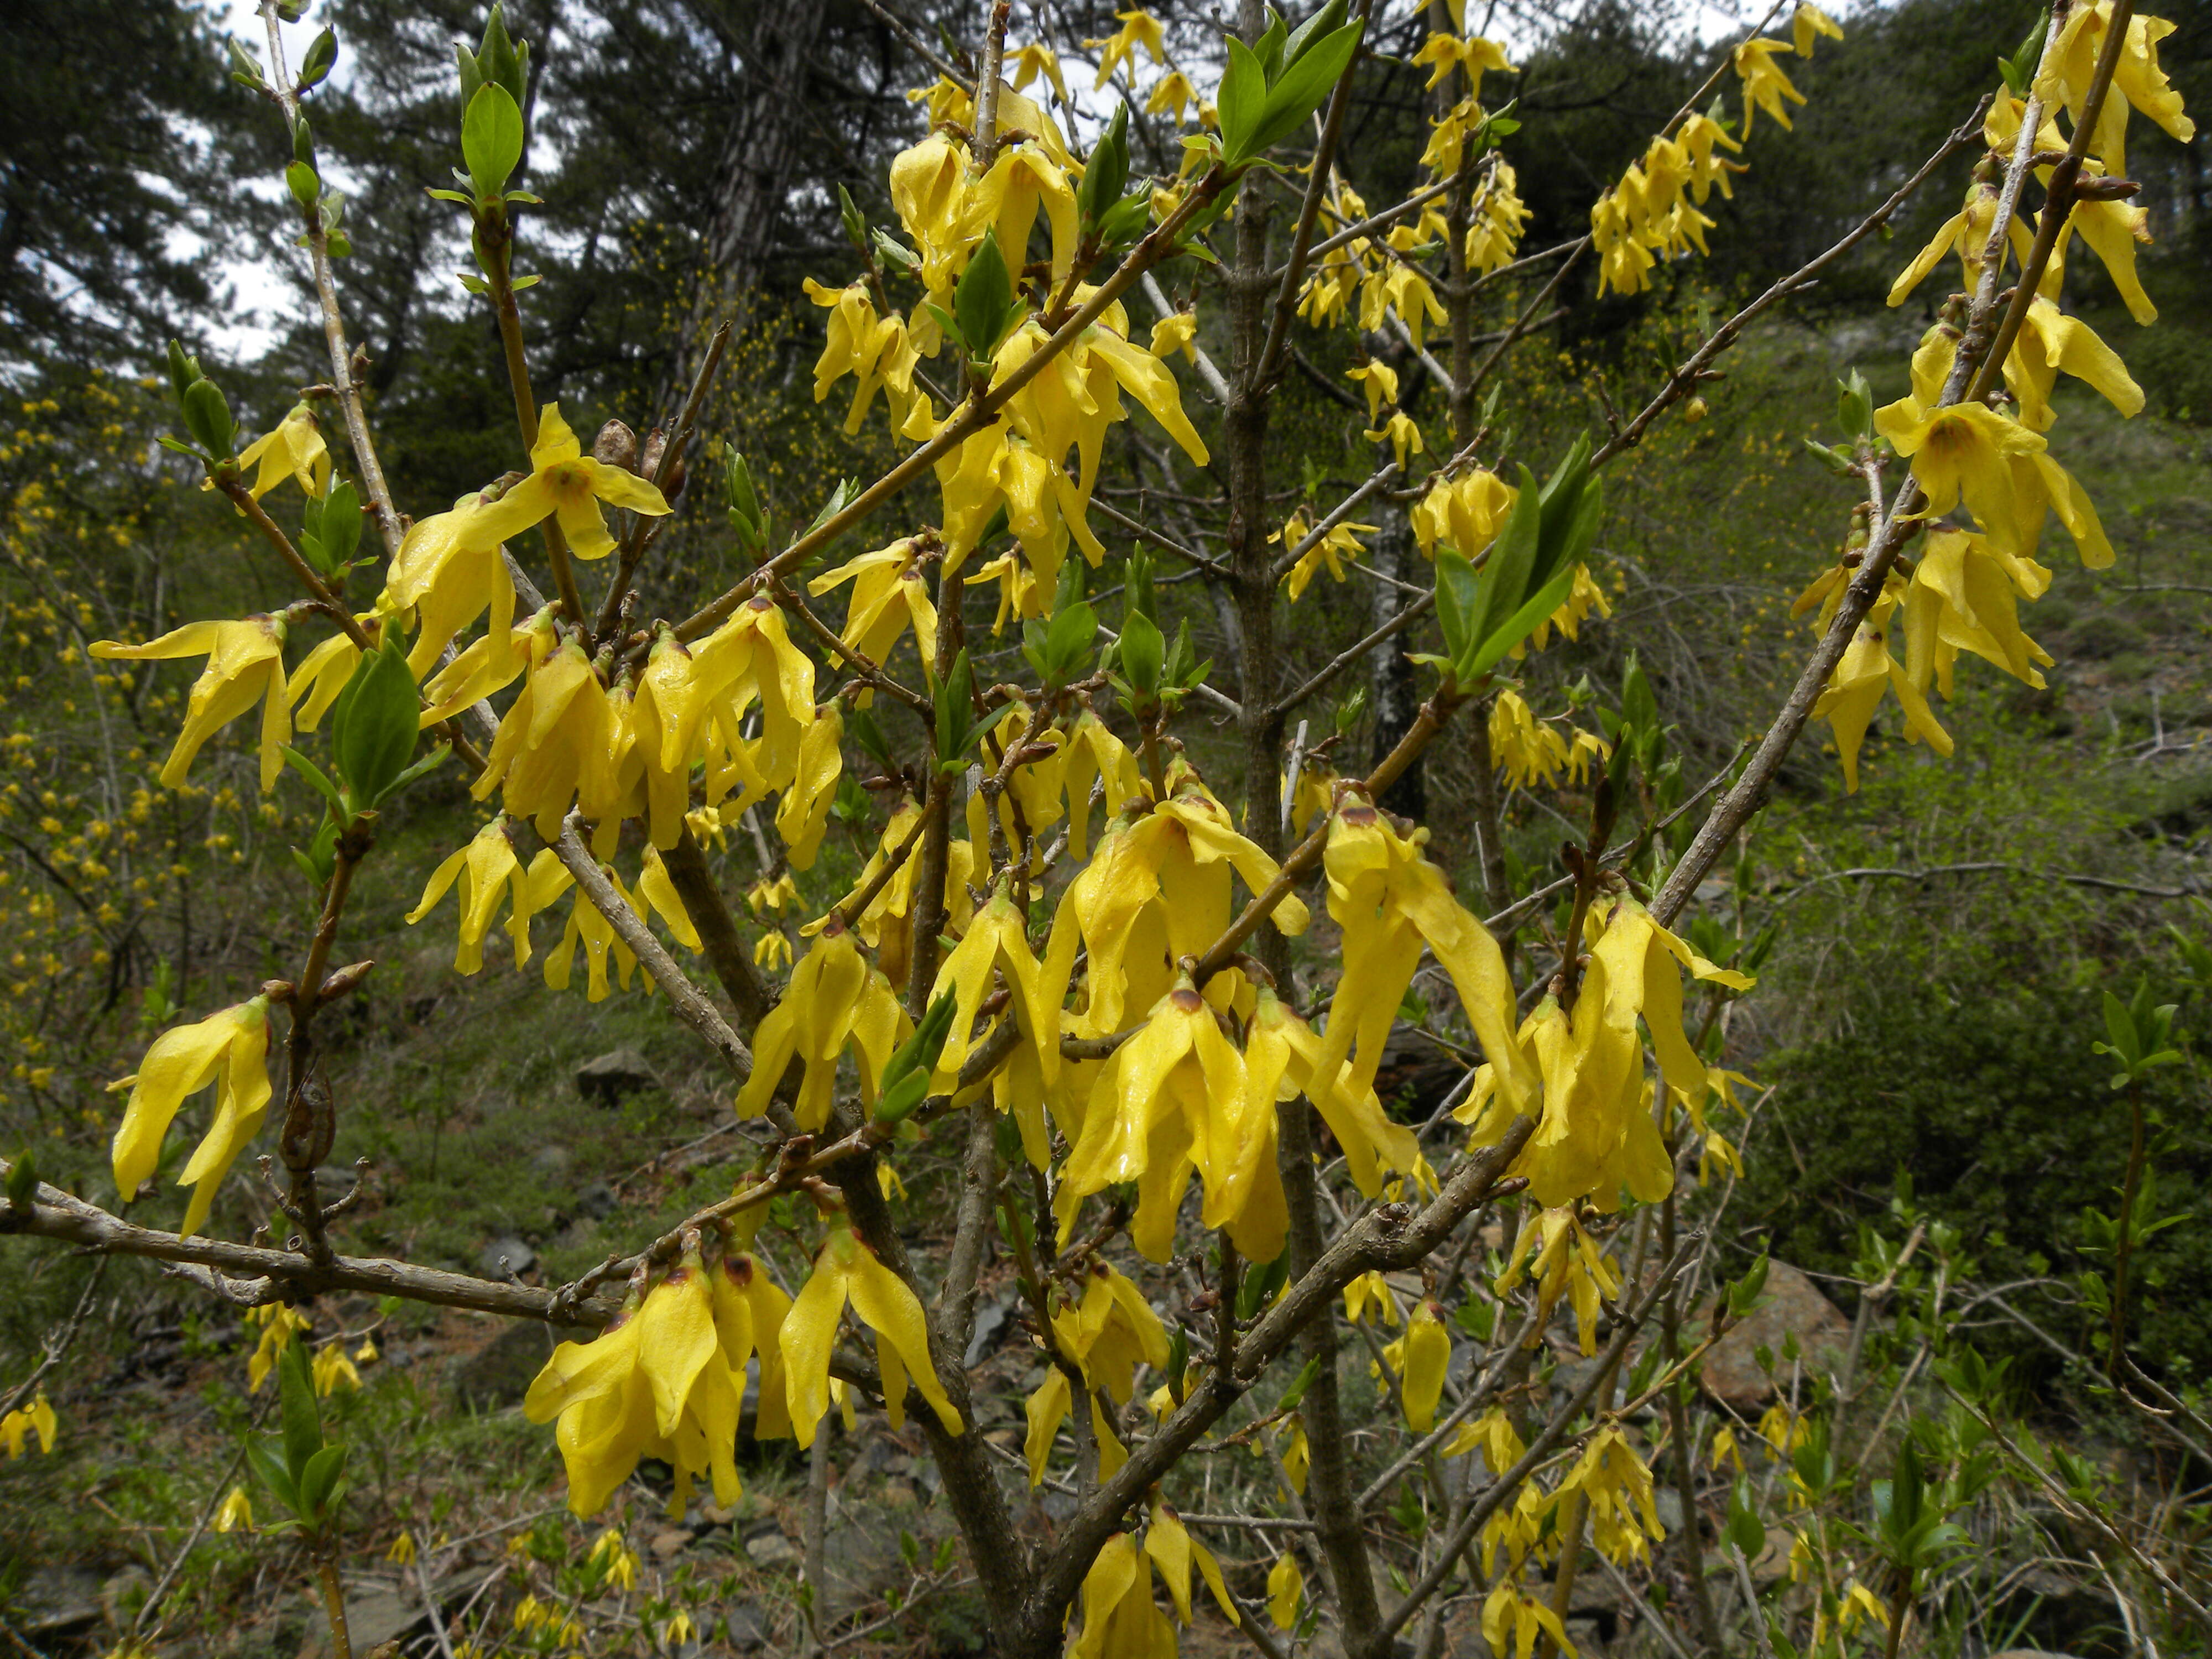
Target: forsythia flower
402,1550
19,1424
845,1270
236,1514
486,867
232,1045
1764,85
1286,1586
279,1324
333,1370
834,997
1422,1356
1138,28
1463,513
449,570
1444,53
1555,1251
569,486
1492,1434
1617,1487
665,1380
245,665
1512,1619
293,448
1370,1292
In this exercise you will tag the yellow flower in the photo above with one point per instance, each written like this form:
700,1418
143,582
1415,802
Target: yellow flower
487,867
1424,1354
890,596
333,1370
232,1045
1286,1585
773,952
1807,23
1444,53
245,664
1340,542
1031,60
1370,1293
846,1270
449,569
279,1324
236,1514
402,1550
1764,85
2138,81
834,997
1138,28
1404,436
568,485
1555,1251
20,1423
1463,513
1173,95
293,448
1492,1434
1617,1487
1513,1618
1998,468
614,1558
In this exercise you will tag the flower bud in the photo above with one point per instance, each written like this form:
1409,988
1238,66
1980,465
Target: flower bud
616,446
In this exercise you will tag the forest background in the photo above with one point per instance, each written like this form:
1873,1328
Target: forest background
1925,1027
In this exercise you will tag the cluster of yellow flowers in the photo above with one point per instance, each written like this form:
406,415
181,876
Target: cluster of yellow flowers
666,1379
1990,457
37,1417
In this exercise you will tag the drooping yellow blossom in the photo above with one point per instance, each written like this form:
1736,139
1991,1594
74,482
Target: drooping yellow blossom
245,664
332,1370
1027,63
293,448
1513,1621
1617,1487
2138,81
997,945
1172,95
1391,901
773,950
1463,513
1138,28
486,867
803,814
1764,85
1807,24
236,1514
1494,1435
569,486
1560,1258
1286,1586
451,570
834,997
2002,471
232,1046
890,596
846,1270
1282,1057
1331,549
1422,1356
1444,53
664,1380
876,351
1370,1295
18,1424
1401,433
555,747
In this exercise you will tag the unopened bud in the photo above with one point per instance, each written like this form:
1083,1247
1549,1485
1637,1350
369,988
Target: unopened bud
656,444
2105,190
616,446
1696,409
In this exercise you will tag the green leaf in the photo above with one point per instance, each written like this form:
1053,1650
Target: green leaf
422,768
1143,655
1458,597
1745,1531
491,139
316,779
374,724
1107,170
982,298
274,1475
1299,1384
1318,26
322,54
1520,624
302,180
302,1421
319,1485
1240,100
207,416
1305,86
23,1180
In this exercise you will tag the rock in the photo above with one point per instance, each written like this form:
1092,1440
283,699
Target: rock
666,1546
375,1614
552,1158
613,1077
767,1547
597,1201
748,1630
56,1599
121,1597
898,1496
504,1255
991,1319
1790,1306
500,1373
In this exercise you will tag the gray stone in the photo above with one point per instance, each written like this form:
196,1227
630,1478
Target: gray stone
767,1547
671,1543
505,1255
500,1373
598,1201
57,1599
613,1077
1790,1307
121,1597
991,1322
748,1630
